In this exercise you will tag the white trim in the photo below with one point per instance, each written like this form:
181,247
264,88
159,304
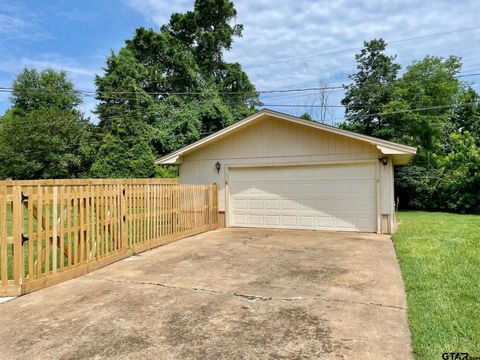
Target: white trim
382,145
379,200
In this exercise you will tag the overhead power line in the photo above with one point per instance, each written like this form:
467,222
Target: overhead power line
380,113
335,52
110,94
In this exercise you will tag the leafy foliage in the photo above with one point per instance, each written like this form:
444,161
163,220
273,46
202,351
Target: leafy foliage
427,107
371,89
44,135
119,158
172,87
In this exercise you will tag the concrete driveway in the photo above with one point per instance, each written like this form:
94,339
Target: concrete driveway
226,294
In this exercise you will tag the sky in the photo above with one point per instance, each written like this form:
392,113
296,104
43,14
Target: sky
286,44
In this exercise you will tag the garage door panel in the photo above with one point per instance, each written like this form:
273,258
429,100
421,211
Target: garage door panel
272,188
304,204
341,197
272,204
288,188
289,220
342,187
344,204
272,220
240,204
325,222
256,219
241,219
325,204
366,205
308,221
255,204
323,188
364,222
289,204
363,187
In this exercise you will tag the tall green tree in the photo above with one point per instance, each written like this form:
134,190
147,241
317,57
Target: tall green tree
44,135
371,89
423,102
466,116
427,107
440,117
172,87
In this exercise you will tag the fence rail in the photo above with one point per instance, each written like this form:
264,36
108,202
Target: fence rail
54,230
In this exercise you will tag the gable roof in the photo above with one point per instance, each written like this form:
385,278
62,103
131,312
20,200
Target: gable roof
404,153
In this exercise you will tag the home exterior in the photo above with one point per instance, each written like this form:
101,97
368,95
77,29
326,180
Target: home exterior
278,171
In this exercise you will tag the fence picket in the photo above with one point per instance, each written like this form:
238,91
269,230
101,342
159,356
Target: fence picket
30,232
3,236
77,226
40,231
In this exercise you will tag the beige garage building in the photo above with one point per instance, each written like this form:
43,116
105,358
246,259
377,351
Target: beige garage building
278,171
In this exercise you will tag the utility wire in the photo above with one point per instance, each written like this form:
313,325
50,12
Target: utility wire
149,113
104,97
31,151
335,52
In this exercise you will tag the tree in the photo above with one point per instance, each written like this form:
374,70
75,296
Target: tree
33,90
429,112
44,135
120,158
423,102
306,116
171,87
459,188
466,116
371,89
427,107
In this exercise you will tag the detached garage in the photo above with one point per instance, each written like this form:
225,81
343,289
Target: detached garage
278,171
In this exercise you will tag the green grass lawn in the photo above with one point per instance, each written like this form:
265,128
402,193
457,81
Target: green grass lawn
439,255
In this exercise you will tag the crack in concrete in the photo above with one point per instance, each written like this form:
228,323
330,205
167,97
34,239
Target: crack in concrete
251,297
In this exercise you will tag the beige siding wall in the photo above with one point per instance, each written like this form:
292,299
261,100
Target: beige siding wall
273,141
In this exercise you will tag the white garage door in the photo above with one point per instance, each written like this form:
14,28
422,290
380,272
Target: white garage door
339,197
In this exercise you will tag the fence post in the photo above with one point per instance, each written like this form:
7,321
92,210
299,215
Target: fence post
17,228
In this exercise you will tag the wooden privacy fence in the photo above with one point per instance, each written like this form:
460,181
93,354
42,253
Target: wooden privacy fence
55,230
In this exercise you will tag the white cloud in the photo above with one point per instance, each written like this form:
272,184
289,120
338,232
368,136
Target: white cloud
83,77
16,23
283,41
52,61
159,11
277,31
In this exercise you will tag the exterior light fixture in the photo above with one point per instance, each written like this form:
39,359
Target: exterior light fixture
218,166
383,160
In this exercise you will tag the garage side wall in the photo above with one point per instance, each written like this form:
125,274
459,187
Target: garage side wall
272,141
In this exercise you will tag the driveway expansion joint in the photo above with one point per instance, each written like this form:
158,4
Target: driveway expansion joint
251,297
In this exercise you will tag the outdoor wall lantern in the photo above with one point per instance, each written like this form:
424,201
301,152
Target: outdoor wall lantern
384,160
218,166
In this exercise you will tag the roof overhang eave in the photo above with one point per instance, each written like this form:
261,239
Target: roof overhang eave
171,159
